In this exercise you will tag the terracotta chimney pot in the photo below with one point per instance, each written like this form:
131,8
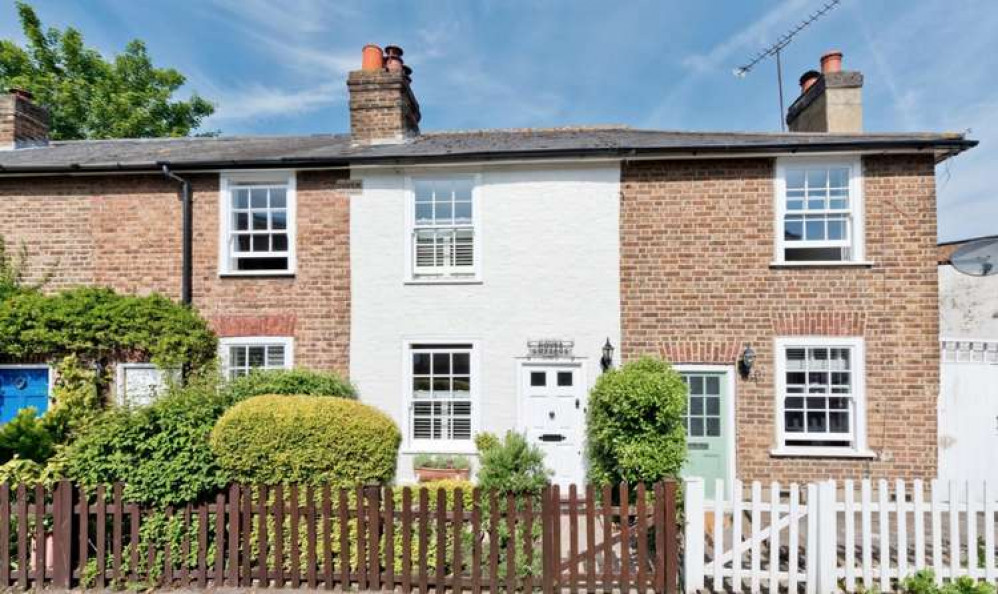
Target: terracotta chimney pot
372,58
808,79
831,62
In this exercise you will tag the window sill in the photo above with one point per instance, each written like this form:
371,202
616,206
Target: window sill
258,274
820,452
443,281
860,264
440,447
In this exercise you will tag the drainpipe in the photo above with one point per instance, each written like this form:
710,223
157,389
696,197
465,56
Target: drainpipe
186,232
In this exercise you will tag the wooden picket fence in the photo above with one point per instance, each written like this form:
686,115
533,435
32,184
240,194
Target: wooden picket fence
826,537
371,538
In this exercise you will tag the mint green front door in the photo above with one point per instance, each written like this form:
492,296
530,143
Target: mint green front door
708,427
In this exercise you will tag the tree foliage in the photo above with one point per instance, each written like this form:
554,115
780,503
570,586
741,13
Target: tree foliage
89,96
635,423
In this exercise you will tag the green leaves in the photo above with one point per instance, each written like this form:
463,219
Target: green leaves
635,423
91,97
511,465
96,323
160,451
306,440
291,381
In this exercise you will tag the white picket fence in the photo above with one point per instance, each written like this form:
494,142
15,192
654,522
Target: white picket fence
828,537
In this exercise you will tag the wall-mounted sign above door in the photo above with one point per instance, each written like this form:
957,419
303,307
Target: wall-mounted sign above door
550,348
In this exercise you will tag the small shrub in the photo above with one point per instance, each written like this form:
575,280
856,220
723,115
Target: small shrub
26,437
291,382
299,439
447,461
635,424
512,466
924,582
485,441
161,452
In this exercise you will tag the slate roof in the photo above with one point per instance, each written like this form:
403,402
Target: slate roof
336,149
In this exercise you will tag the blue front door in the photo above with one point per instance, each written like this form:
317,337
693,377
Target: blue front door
21,387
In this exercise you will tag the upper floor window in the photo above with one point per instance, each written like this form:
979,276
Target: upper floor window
819,211
443,230
258,223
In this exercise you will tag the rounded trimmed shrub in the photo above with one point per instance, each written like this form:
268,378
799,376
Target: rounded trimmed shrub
635,423
305,440
300,382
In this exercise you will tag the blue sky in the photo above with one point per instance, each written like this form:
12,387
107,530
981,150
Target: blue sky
278,67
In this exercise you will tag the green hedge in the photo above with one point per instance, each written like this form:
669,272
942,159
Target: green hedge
96,323
300,439
300,382
161,451
635,423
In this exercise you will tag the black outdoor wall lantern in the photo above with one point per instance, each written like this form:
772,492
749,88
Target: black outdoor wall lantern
747,361
606,361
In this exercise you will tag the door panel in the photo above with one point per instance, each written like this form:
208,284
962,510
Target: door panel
554,418
708,427
22,387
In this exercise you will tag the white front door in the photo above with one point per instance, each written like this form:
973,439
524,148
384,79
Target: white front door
554,417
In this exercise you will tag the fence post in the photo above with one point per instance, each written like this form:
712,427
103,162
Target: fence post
62,534
827,552
548,564
693,533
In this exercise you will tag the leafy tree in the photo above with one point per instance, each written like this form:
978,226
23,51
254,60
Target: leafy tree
91,97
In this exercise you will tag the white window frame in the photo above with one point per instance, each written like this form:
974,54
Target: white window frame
224,345
856,344
227,179
856,210
440,446
470,276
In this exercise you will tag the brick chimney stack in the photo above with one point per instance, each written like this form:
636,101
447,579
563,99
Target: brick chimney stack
830,101
383,108
23,124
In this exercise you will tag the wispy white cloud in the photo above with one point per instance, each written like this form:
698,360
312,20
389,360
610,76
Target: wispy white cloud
758,33
256,100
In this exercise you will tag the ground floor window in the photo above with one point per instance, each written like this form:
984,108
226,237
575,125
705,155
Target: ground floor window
440,392
243,355
819,386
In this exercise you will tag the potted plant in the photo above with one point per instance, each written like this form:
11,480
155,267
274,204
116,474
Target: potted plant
430,467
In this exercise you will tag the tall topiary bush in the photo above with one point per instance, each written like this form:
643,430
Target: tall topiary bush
635,423
306,440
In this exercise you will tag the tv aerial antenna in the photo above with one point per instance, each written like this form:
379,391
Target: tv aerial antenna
774,50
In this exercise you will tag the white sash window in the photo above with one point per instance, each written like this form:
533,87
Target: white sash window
443,240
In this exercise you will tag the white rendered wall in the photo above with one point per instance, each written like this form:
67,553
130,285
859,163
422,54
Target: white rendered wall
550,269
968,305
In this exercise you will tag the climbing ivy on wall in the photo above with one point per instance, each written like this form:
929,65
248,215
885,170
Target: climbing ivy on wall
99,325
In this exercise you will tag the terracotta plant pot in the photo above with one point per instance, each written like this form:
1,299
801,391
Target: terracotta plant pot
426,475
831,62
373,58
